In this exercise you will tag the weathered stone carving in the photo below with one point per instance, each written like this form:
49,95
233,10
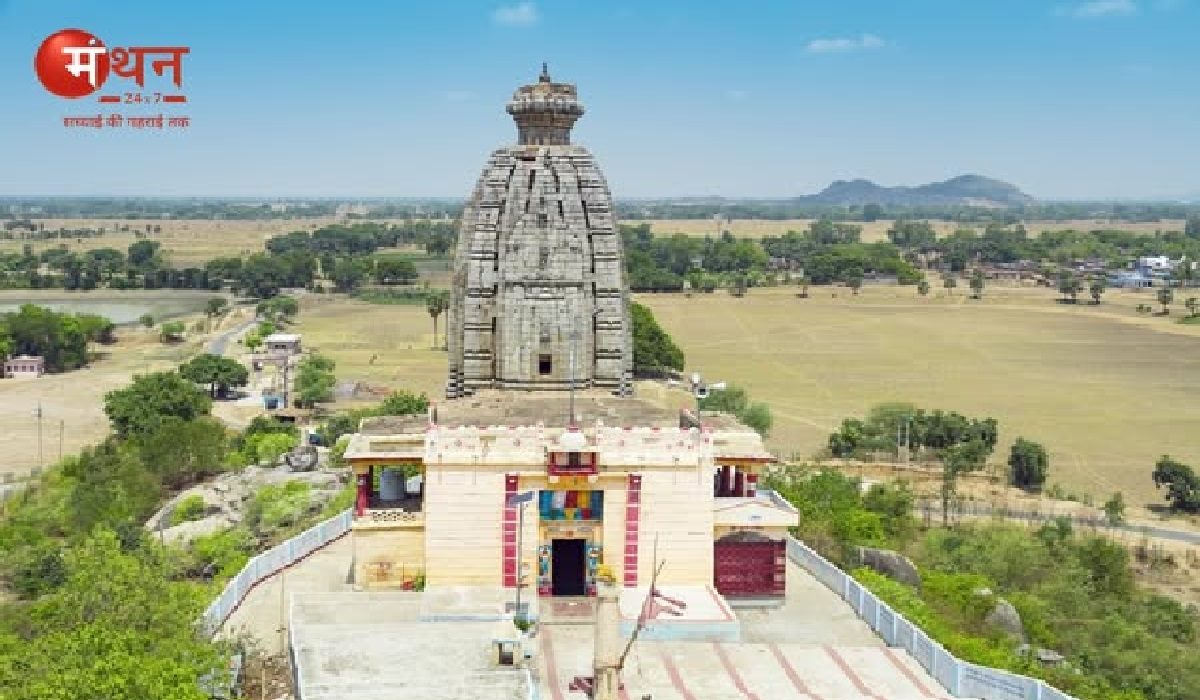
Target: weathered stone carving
539,274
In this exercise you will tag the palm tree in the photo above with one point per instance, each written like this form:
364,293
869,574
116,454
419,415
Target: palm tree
436,303
1165,297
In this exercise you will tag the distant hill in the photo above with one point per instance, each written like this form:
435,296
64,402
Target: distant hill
965,190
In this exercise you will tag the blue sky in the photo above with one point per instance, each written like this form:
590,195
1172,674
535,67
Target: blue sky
1070,99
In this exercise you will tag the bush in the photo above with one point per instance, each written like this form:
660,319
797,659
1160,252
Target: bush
1028,464
278,505
190,508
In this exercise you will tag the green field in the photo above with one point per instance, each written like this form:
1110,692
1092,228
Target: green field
1106,390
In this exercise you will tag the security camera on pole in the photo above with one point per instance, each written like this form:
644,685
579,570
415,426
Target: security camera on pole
701,390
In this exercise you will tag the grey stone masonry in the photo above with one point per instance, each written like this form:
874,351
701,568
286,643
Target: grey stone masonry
539,283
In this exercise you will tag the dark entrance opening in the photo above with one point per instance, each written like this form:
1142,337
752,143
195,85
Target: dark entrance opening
567,567
545,364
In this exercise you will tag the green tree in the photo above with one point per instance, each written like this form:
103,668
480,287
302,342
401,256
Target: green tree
923,287
1191,228
97,329
171,332
215,306
141,407
146,320
1028,464
1165,296
348,273
436,303
60,338
120,627
956,460
252,340
949,281
1192,305
218,373
854,280
653,349
394,270
403,403
1069,285
278,309
1182,484
977,283
315,380
1114,509
1096,288
180,452
872,212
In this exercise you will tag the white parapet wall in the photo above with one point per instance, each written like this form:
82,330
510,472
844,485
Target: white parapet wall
960,678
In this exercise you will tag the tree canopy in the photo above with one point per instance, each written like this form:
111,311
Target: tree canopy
653,349
141,407
218,373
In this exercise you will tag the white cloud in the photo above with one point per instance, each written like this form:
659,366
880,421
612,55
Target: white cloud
845,45
523,14
1100,8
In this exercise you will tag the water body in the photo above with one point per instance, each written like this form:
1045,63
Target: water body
119,307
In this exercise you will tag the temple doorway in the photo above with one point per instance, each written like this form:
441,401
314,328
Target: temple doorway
568,567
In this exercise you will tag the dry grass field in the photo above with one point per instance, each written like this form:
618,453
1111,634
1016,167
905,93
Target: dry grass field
876,230
75,400
379,344
1106,390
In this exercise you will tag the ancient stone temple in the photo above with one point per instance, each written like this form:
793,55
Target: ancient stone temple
539,298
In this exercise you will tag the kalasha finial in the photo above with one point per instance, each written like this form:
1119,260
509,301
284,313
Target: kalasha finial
544,111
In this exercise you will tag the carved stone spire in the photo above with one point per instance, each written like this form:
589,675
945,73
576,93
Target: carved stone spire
545,111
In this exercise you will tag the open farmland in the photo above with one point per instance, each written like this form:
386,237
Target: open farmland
192,242
876,230
1106,390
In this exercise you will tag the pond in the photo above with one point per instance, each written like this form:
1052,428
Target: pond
119,307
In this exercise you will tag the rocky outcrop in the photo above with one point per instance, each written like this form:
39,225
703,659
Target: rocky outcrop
225,498
1005,618
894,565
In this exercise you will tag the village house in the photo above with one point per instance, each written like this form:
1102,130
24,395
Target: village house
24,367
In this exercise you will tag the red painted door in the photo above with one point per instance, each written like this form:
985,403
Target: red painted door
750,569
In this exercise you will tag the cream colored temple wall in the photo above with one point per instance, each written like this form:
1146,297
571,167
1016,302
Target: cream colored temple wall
388,556
677,507
464,512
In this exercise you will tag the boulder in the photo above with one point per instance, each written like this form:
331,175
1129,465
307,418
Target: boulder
1004,617
894,565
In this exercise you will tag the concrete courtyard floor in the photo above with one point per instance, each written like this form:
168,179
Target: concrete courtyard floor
386,645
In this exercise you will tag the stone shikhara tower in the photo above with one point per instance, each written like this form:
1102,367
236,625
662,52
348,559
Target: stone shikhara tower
539,280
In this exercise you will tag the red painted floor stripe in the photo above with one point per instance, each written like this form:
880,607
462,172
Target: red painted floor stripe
676,679
551,669
733,673
912,677
791,672
858,682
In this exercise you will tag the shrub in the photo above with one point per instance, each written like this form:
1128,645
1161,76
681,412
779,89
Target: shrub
278,505
190,508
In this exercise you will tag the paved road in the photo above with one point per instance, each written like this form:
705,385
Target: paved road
217,345
1186,536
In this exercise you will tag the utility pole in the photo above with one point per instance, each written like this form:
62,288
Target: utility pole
38,413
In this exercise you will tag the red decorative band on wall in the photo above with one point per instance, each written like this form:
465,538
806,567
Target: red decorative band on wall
633,507
509,546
